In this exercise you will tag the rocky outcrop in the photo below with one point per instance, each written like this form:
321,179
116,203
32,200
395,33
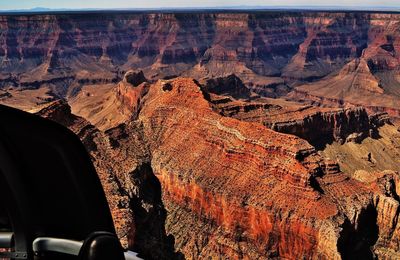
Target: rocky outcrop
216,205
135,78
319,126
341,126
254,193
387,203
230,85
349,58
107,106
130,92
212,204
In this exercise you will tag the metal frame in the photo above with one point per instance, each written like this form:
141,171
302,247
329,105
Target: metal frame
6,239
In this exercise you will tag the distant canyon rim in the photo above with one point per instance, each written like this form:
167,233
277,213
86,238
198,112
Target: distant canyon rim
244,135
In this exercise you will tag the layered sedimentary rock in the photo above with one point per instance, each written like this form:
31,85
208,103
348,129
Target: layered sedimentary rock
261,43
191,196
239,200
387,203
253,193
324,127
90,136
267,50
200,171
132,190
157,40
317,125
107,106
355,84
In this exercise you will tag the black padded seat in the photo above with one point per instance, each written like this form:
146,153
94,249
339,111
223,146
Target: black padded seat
48,185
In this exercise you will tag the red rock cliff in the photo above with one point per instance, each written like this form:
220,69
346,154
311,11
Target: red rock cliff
204,185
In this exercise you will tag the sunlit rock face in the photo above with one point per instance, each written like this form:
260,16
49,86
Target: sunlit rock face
261,43
329,58
195,157
206,185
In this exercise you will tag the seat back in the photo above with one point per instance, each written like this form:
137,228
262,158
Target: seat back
48,185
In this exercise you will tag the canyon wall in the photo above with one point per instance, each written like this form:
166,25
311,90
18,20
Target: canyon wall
318,125
253,193
205,43
196,167
269,51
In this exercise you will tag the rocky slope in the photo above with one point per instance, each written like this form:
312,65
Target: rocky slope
318,125
211,165
348,57
254,193
371,154
108,105
264,43
122,162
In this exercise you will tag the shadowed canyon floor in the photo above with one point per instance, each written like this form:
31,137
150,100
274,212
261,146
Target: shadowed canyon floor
259,135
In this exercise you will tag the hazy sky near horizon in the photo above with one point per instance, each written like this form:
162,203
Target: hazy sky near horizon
110,4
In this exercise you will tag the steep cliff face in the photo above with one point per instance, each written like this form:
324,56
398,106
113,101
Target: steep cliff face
107,106
324,127
331,42
347,57
386,201
236,203
254,193
300,44
236,222
318,125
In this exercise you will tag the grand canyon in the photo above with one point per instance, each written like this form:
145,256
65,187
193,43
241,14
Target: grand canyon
225,134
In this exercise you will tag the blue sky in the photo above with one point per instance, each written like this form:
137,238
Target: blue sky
110,4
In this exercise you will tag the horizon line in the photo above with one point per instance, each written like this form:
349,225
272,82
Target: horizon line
234,7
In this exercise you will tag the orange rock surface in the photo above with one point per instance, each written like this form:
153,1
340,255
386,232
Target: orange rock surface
107,106
205,185
257,192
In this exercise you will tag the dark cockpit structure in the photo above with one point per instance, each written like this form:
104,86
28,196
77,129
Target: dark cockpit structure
52,204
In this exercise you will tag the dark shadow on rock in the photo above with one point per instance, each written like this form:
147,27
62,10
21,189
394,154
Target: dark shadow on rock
150,239
357,243
321,142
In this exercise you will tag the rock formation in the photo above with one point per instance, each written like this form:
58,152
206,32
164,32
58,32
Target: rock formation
344,57
230,85
341,126
132,190
196,158
253,193
318,126
107,106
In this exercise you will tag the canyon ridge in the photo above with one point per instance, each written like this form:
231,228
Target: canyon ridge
241,134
